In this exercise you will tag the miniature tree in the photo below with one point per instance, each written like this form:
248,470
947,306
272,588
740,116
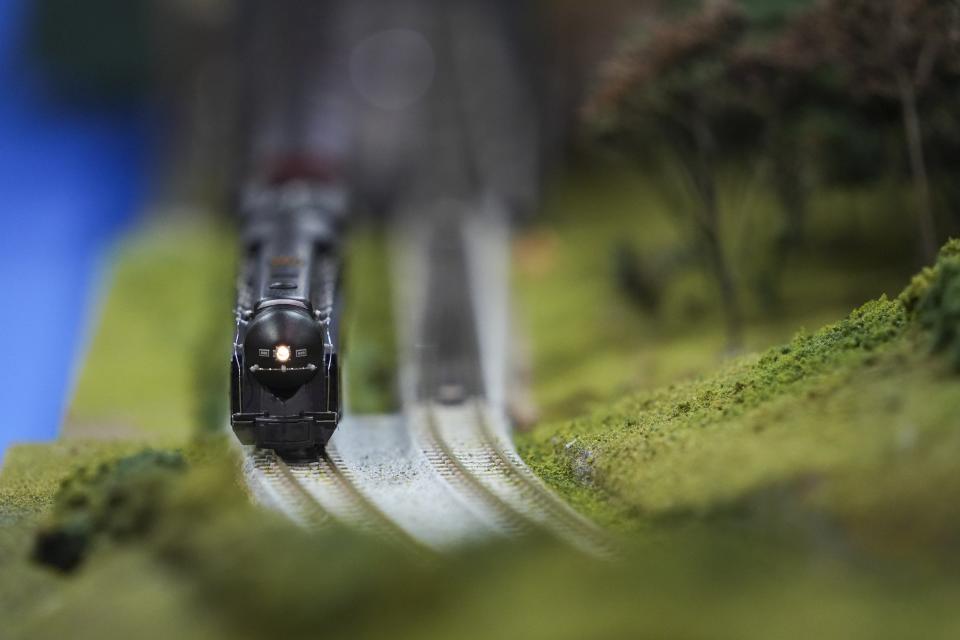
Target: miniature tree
673,92
900,50
778,78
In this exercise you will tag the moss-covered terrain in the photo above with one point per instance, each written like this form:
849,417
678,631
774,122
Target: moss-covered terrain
370,350
847,435
163,329
591,344
808,490
205,563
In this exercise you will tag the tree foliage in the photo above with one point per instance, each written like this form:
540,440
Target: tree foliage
900,51
675,89
810,91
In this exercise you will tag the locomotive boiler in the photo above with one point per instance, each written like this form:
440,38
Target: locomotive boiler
285,369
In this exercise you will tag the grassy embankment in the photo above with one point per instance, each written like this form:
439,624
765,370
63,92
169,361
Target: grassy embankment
847,432
156,338
757,502
155,375
155,371
590,345
854,424
370,349
164,323
199,558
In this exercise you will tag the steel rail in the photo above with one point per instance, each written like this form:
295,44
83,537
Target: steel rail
464,450
377,521
443,457
275,485
557,517
471,456
317,493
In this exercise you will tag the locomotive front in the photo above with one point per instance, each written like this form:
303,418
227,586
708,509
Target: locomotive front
285,371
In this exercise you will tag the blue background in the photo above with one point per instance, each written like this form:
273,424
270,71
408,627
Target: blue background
71,177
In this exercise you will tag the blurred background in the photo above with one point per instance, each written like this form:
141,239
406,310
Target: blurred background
74,169
689,180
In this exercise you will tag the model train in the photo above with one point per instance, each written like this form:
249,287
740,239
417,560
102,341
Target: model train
285,370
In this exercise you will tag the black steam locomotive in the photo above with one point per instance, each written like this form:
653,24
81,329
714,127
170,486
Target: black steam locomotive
285,370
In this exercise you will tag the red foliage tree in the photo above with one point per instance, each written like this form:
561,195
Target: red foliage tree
900,50
673,90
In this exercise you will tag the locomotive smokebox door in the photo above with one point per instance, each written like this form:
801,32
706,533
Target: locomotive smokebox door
284,349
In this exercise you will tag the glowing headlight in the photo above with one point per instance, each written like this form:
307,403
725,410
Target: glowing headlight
282,354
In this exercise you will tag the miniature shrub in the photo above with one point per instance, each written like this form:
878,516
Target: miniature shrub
118,500
939,310
916,291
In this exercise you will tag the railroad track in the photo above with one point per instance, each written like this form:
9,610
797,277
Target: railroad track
318,493
469,451
479,485
273,484
442,475
452,286
451,461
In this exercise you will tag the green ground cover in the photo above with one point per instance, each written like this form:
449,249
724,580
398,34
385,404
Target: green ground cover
152,376
590,345
205,563
849,432
163,329
370,350
168,302
808,490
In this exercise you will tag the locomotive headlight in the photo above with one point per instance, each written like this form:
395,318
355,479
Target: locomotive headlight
282,354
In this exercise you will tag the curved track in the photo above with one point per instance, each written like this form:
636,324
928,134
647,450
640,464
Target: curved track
445,473
317,493
447,477
467,445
